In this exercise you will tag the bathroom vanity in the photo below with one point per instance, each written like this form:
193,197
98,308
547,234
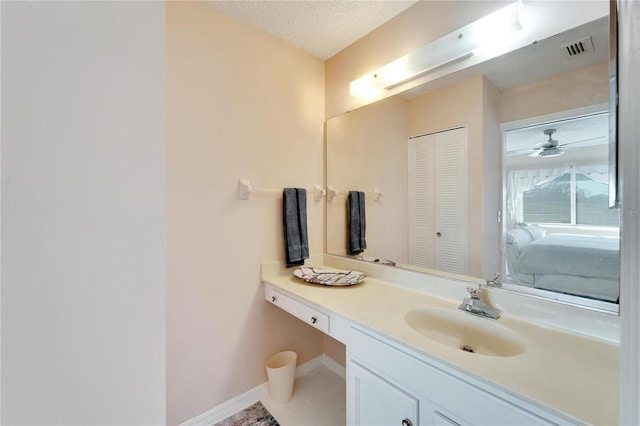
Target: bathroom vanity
406,364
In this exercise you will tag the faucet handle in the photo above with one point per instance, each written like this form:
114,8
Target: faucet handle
475,293
495,281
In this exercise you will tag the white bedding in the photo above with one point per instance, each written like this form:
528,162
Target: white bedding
562,254
573,264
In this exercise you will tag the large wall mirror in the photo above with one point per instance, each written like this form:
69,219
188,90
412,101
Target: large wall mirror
500,168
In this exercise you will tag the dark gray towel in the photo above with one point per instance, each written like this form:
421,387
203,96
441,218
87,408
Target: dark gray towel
357,223
294,214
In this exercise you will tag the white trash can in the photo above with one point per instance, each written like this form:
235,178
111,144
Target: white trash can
281,371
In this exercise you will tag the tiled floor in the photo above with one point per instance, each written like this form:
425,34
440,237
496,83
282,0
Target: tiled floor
319,399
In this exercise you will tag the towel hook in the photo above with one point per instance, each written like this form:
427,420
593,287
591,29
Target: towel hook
244,189
318,192
377,194
331,193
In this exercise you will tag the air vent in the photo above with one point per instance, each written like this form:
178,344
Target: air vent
578,47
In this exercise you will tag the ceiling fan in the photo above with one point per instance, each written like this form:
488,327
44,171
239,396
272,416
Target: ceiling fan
548,148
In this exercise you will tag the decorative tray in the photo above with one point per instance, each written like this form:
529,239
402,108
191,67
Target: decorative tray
328,276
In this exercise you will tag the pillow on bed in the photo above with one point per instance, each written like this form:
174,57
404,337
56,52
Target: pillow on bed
535,231
518,239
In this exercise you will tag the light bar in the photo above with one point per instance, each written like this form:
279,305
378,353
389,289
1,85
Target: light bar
456,46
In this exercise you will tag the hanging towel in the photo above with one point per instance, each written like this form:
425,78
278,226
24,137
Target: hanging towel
294,213
356,222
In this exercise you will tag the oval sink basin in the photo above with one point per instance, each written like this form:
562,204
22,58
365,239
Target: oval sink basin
465,332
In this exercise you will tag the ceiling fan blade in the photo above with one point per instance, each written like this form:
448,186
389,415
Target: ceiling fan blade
518,152
584,140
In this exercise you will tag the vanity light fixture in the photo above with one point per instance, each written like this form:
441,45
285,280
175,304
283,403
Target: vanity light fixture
453,47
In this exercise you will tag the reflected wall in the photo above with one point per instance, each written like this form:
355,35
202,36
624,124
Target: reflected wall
368,150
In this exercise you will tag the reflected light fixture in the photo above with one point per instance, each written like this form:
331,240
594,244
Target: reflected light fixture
453,47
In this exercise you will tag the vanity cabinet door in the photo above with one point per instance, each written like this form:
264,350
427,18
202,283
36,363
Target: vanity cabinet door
440,419
443,399
373,401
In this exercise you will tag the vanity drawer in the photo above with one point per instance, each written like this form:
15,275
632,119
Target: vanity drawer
298,309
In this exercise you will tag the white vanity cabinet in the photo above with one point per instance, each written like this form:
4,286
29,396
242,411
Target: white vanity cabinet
387,386
395,374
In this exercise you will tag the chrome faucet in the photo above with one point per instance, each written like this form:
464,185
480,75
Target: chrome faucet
495,281
475,305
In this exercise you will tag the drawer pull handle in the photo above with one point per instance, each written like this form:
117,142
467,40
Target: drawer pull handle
274,299
314,320
406,422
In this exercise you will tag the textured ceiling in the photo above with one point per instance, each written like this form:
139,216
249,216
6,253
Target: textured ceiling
586,139
321,27
585,131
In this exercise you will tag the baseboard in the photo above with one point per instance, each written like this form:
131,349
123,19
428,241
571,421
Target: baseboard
229,407
308,366
254,395
334,366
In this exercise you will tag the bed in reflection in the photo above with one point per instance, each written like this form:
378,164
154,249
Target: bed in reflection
580,265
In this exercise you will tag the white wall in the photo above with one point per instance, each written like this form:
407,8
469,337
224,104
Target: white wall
240,104
491,181
83,269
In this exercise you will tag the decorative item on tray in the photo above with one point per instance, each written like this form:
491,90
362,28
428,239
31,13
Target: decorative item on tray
328,276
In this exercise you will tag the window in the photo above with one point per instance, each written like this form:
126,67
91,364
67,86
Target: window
592,203
549,202
573,198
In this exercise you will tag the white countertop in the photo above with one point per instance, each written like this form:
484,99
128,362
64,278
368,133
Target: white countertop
571,373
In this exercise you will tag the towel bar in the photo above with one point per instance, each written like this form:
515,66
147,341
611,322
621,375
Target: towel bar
245,189
332,193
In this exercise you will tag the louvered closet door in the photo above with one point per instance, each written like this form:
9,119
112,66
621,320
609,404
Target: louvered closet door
422,201
438,201
451,201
